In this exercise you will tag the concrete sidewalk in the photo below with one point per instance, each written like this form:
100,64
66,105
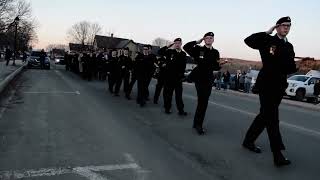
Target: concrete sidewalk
286,100
8,73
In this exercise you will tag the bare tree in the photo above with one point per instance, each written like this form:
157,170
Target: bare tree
6,9
95,29
26,28
10,9
84,32
161,42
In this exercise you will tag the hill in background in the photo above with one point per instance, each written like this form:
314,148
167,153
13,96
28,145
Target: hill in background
304,64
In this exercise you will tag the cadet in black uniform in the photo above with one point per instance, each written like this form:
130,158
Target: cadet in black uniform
152,59
90,66
160,78
113,70
133,76
144,70
125,64
207,59
67,60
176,61
100,66
277,56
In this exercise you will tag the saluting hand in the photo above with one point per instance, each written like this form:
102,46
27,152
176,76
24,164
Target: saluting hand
270,31
170,45
200,41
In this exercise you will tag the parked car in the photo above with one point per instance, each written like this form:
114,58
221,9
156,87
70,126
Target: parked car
301,87
59,60
252,76
34,60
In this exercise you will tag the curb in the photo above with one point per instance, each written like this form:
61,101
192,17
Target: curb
9,78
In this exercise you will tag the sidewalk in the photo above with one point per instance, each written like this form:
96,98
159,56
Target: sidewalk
286,100
8,73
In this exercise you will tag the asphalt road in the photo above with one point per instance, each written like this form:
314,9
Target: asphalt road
54,125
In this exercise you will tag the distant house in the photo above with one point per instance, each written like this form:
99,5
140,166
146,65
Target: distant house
111,42
79,47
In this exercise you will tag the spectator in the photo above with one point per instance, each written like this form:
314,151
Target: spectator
317,91
247,84
241,81
8,55
237,80
24,56
218,81
226,80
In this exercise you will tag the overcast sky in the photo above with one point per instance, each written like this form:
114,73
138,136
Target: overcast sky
143,21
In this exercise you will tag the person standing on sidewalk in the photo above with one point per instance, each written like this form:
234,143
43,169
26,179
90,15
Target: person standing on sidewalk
207,59
219,81
316,91
277,56
8,55
247,83
226,80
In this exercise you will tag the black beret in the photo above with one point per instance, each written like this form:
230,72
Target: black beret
283,20
146,45
209,34
178,39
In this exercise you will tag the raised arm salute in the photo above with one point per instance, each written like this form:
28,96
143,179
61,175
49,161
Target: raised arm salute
207,59
277,56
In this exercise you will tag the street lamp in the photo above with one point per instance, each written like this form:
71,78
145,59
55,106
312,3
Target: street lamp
16,22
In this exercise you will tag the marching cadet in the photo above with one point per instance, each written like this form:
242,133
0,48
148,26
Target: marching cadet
160,64
145,67
277,56
152,61
125,64
100,66
113,70
207,59
133,75
89,66
176,61
67,60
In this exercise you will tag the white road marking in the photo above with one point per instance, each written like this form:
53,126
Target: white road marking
289,125
51,92
89,172
140,173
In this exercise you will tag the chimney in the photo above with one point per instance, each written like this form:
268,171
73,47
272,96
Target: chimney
112,35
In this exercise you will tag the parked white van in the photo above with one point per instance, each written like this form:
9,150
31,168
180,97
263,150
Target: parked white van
302,86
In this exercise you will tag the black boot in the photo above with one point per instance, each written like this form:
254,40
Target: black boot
183,113
251,147
199,130
280,160
167,111
128,97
